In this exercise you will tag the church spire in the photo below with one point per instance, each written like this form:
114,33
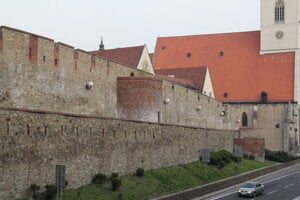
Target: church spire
101,46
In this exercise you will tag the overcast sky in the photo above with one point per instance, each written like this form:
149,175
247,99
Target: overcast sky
122,23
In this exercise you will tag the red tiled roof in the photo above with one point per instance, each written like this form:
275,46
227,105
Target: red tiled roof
235,66
196,75
129,56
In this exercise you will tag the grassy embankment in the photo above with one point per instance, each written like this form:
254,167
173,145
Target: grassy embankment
163,181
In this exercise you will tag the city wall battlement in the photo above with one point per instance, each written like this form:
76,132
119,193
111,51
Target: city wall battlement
48,116
37,73
40,50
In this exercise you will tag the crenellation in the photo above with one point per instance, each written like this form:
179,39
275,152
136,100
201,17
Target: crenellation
84,62
65,58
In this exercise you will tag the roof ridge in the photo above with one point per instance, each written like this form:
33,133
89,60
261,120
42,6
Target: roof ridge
209,34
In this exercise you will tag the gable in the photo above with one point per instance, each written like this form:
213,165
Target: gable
136,57
145,63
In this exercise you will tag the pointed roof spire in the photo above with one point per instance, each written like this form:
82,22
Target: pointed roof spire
101,46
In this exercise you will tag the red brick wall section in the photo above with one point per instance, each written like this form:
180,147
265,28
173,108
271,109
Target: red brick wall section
251,145
56,55
139,98
33,48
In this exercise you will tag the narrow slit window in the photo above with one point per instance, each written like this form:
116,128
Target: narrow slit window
244,120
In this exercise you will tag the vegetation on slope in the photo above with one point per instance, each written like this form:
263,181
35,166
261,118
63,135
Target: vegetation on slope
159,182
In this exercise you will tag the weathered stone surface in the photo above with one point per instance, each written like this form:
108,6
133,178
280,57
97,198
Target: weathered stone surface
32,144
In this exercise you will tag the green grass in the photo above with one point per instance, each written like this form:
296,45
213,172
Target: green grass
163,181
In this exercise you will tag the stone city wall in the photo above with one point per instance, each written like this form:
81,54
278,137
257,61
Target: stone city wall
158,100
37,73
32,143
278,123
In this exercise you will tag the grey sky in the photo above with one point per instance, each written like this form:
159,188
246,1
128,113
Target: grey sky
123,23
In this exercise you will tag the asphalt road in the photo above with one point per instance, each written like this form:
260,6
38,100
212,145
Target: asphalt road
280,185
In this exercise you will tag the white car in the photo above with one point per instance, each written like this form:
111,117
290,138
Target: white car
251,189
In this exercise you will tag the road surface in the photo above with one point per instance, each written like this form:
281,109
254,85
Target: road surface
280,185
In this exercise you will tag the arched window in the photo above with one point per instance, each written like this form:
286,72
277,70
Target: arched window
244,120
279,11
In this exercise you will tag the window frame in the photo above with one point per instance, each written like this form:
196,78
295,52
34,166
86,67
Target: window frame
244,119
279,12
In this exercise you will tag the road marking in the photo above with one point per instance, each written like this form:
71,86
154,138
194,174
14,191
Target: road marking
272,192
288,186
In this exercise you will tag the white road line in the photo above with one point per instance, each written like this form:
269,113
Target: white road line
272,192
288,186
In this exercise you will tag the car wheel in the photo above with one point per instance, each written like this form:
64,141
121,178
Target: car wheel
254,194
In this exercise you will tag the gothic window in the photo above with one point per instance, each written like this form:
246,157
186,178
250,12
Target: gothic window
244,120
279,11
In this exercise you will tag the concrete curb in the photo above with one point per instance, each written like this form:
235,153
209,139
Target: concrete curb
215,186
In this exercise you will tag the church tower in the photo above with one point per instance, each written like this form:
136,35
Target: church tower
280,26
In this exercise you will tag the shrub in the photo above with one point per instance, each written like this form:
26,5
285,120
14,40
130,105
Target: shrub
50,192
251,157
35,190
221,164
279,156
114,175
99,179
221,158
140,172
115,183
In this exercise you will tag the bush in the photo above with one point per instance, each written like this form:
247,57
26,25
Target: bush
35,190
50,192
140,172
114,175
251,157
115,183
99,179
279,156
221,158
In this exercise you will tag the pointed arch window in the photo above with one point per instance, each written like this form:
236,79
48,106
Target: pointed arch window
244,120
279,12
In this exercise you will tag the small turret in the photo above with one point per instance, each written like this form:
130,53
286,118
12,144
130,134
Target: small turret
101,46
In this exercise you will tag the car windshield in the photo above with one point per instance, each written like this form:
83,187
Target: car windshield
249,185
